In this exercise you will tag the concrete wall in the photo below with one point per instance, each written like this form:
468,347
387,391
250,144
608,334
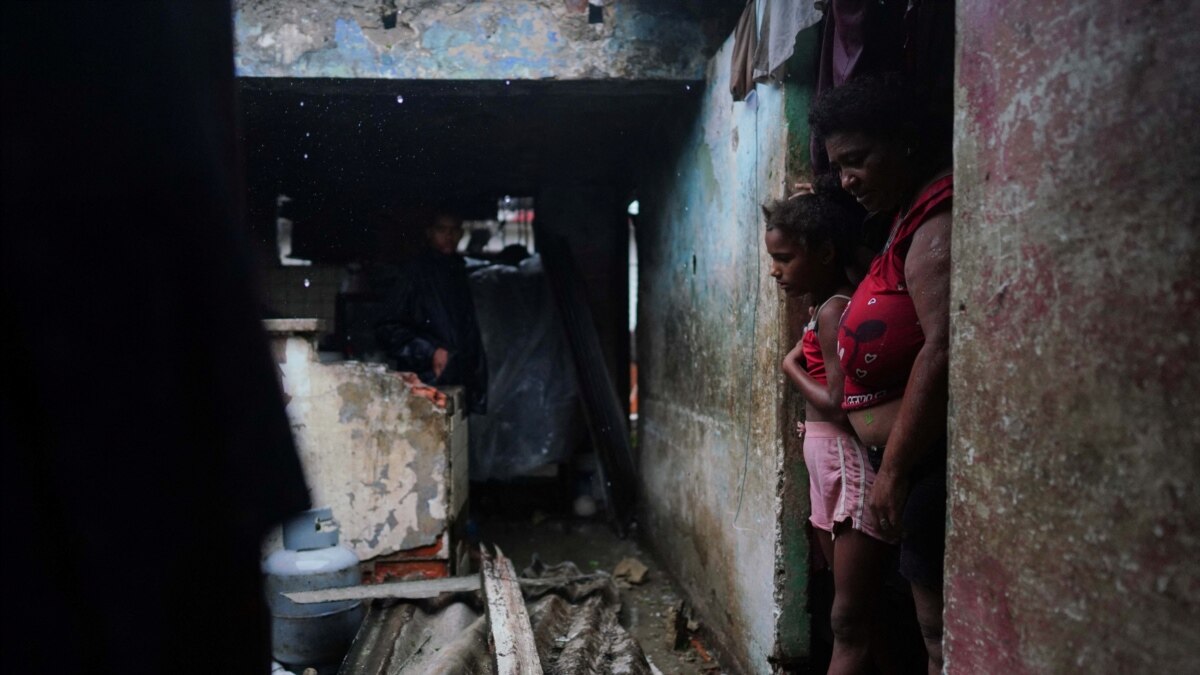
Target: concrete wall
390,464
464,40
709,345
1075,424
794,624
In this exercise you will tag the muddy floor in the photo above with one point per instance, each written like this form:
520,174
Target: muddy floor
592,545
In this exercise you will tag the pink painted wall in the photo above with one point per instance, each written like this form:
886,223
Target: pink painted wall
1075,498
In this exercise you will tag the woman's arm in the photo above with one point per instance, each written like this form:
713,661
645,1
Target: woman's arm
922,416
827,399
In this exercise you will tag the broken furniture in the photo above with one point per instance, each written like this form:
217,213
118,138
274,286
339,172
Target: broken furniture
392,465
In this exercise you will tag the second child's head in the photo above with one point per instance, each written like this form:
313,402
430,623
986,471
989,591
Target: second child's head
811,237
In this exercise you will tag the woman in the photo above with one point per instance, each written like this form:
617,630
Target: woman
810,239
893,342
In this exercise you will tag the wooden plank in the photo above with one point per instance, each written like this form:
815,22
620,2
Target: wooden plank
405,590
605,415
512,634
417,590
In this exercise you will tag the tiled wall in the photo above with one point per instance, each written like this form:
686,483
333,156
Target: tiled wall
302,292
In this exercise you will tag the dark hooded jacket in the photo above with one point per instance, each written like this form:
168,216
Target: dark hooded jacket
428,307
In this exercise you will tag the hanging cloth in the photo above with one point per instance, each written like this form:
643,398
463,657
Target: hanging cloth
745,45
782,21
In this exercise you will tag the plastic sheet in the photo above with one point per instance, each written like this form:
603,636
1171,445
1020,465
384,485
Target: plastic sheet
532,392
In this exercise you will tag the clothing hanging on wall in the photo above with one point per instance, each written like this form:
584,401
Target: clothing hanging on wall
745,45
782,21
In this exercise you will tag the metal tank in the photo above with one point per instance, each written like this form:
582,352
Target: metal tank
316,634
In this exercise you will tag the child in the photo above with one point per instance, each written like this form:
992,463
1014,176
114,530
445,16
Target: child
810,238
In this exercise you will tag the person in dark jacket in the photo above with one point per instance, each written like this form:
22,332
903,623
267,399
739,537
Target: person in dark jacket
429,325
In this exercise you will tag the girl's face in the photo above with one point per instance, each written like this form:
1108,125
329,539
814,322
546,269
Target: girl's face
876,172
794,267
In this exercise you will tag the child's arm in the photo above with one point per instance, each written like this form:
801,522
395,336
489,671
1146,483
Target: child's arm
827,399
827,324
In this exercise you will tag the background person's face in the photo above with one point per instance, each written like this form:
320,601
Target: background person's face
444,235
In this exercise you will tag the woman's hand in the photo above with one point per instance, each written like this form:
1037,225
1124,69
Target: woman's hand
801,189
888,495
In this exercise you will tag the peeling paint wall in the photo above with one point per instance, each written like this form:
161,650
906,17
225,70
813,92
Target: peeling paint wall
1075,458
376,454
710,339
793,643
464,40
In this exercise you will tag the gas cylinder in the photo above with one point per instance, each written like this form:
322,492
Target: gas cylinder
315,634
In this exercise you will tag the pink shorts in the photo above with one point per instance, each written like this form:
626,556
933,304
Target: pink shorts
839,479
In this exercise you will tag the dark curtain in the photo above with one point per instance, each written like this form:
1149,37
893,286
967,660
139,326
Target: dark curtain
869,36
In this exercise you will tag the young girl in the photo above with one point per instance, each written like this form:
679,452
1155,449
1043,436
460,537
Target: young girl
810,238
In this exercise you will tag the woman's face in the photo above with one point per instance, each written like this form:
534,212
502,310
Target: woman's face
875,172
792,266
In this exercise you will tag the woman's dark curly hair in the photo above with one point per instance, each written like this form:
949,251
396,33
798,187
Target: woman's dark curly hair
883,106
879,105
828,214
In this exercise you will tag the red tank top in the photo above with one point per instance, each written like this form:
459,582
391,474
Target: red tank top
814,361
810,346
880,336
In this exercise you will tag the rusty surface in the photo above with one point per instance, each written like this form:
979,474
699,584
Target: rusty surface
433,550
1074,469
379,572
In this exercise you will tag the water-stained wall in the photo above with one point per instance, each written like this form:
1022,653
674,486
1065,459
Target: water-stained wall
709,345
465,40
1075,428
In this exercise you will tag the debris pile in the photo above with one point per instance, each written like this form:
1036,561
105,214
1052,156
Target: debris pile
551,619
